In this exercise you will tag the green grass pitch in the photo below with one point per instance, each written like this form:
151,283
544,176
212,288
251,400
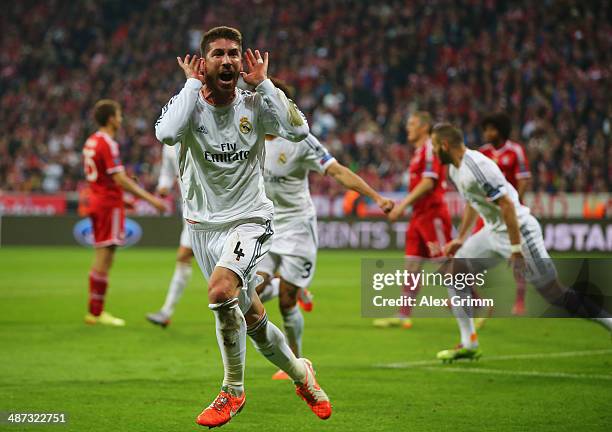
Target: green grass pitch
143,378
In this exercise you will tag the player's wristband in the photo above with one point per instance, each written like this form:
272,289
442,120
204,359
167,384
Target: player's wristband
515,248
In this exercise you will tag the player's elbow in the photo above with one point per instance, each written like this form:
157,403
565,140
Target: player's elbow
120,179
300,136
168,139
165,136
336,171
303,132
299,133
506,207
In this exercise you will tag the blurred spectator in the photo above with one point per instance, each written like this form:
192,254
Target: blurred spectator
358,69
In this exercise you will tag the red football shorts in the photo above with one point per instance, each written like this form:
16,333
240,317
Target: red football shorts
427,234
108,225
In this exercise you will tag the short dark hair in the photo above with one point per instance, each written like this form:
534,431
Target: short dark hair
500,121
282,86
221,32
105,109
448,132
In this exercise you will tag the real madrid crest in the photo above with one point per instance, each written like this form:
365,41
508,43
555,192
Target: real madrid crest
282,158
245,125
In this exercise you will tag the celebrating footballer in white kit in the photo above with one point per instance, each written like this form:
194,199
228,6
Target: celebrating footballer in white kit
510,231
182,272
220,131
293,253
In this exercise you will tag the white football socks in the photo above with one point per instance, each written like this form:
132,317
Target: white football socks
270,291
270,342
180,279
231,337
293,323
464,316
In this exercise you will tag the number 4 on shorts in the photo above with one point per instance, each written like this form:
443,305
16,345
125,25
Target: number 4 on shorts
239,252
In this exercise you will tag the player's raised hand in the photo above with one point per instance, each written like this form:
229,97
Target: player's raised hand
257,68
451,248
193,66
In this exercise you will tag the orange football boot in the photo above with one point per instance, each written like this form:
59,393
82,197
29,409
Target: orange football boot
312,394
304,299
280,375
224,407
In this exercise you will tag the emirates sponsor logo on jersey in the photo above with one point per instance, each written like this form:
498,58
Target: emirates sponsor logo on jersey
228,154
271,178
226,157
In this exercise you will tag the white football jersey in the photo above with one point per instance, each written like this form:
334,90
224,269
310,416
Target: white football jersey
221,149
480,182
286,175
168,171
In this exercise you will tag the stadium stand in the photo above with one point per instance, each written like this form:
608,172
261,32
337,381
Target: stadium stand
358,69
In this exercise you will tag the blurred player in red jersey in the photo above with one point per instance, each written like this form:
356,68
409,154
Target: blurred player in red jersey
430,227
512,160
107,181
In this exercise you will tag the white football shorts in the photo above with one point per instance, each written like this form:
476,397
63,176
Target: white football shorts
239,246
293,254
489,245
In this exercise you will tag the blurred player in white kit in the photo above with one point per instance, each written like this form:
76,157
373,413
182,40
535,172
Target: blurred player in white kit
293,254
510,232
182,271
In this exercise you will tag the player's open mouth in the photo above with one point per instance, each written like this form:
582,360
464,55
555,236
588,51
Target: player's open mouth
226,77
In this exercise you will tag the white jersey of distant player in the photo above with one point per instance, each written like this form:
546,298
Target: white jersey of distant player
286,176
168,172
221,150
480,182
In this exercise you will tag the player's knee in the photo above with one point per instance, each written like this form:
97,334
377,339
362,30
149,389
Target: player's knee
287,303
287,297
184,255
105,264
220,290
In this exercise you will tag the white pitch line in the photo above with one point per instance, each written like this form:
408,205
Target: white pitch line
520,373
420,363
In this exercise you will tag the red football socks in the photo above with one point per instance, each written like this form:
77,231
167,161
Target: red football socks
97,290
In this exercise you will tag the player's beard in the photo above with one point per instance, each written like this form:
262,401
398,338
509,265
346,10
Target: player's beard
445,157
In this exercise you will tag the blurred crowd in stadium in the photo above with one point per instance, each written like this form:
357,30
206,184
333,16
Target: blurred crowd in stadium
357,68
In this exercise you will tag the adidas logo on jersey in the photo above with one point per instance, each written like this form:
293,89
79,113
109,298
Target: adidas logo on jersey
202,129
